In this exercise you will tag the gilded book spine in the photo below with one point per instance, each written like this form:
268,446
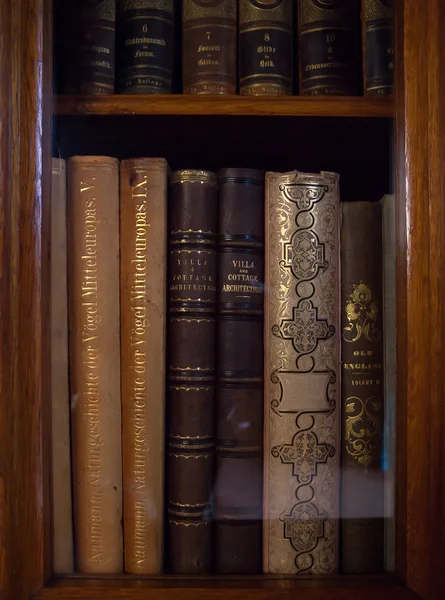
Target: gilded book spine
62,517
145,46
238,482
209,46
143,227
378,46
93,217
302,345
265,47
362,388
328,36
191,355
90,28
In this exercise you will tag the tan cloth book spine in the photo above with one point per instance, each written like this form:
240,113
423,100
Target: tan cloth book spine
62,512
93,219
143,219
301,418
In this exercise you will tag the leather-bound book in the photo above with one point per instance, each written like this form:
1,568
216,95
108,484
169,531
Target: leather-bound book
378,46
145,46
265,47
362,519
209,46
329,47
93,219
302,360
143,231
239,400
62,509
89,32
191,362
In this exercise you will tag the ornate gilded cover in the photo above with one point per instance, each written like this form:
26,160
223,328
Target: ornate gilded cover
302,316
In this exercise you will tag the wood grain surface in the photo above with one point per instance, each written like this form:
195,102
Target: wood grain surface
229,588
420,143
224,105
24,368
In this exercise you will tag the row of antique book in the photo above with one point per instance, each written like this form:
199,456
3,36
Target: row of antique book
212,32
191,431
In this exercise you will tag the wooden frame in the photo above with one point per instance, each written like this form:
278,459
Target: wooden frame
25,125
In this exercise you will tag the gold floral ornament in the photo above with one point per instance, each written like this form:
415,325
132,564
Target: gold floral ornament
362,313
362,429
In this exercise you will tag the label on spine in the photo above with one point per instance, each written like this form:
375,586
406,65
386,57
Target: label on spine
328,47
378,31
146,35
265,47
209,46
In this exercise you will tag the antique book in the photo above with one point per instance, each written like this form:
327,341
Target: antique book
145,46
389,373
62,509
265,47
378,46
209,46
302,346
93,258
143,231
191,369
89,39
239,398
329,47
362,388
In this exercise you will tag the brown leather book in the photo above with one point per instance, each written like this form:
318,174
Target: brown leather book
191,360
265,47
209,46
378,47
93,253
329,47
145,46
62,509
239,400
143,231
302,347
362,508
89,40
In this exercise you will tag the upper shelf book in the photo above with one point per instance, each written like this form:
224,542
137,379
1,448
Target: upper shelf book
296,106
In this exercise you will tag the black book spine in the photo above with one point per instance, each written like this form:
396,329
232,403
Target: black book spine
329,48
89,56
378,47
265,47
145,46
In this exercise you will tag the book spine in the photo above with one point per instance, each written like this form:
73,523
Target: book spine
209,47
302,345
93,217
389,373
191,356
328,37
145,47
378,47
90,56
62,510
143,227
362,388
265,47
239,403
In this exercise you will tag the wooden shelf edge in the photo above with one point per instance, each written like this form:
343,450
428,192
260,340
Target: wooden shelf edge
229,588
298,106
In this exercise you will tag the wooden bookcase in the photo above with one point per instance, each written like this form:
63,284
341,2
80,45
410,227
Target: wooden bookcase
373,143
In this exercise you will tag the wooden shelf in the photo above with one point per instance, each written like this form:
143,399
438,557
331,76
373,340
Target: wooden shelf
298,106
228,588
